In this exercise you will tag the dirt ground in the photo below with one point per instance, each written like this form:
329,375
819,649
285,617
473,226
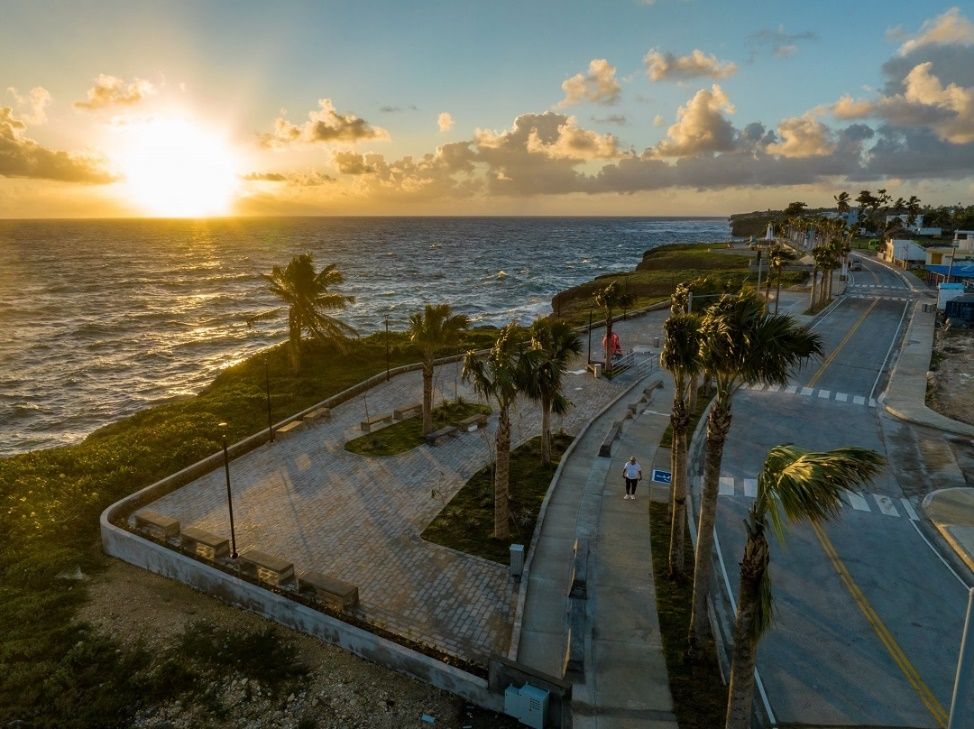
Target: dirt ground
951,390
339,691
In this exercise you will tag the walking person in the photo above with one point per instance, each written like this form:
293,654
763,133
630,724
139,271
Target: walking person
632,472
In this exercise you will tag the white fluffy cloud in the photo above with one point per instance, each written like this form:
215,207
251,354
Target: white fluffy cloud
803,136
324,126
700,126
445,121
32,106
599,85
111,91
951,28
21,156
666,66
573,143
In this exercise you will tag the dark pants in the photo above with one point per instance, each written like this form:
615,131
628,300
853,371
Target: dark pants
631,485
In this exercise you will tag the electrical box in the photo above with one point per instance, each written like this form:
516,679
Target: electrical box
517,560
528,704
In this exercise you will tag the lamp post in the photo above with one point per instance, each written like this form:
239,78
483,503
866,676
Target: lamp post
226,468
962,703
267,390
590,335
387,346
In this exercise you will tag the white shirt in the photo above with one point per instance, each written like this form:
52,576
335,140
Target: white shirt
632,470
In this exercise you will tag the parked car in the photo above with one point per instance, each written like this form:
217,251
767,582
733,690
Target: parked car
856,265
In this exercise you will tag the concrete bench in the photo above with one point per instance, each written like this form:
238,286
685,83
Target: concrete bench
605,450
367,424
574,663
156,525
441,436
407,412
205,545
632,408
332,591
289,427
266,568
475,421
318,413
578,586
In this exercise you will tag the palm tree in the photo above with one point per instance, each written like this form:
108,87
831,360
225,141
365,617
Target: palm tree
434,328
609,298
680,356
801,486
779,256
842,202
499,377
555,343
306,294
740,343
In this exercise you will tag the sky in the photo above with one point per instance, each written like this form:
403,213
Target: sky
536,107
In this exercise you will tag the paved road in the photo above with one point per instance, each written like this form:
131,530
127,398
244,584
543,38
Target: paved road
868,618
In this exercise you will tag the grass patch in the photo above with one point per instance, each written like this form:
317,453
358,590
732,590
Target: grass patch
407,434
699,695
467,522
264,655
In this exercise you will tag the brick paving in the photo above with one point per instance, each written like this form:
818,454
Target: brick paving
306,499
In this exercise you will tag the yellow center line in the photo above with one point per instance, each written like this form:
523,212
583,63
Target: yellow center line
834,353
889,642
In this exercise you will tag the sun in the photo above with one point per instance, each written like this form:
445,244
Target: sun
173,167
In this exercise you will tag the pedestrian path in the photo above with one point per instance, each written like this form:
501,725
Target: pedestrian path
863,501
815,393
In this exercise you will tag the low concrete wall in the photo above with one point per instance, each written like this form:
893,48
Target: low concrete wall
162,560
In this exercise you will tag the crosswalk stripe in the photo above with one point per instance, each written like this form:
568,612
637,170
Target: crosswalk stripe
910,511
841,397
872,402
857,502
885,504
825,394
726,485
791,389
858,399
750,487
774,388
807,391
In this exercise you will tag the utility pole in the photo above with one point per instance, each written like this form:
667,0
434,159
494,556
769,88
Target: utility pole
962,703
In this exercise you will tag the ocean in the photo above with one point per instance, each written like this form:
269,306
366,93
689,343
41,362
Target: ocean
99,319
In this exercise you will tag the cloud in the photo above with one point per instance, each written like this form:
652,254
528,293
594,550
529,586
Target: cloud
573,143
324,126
780,43
803,136
23,157
669,67
700,126
264,177
659,120
598,86
387,109
350,163
112,91
309,179
951,28
445,121
32,106
618,119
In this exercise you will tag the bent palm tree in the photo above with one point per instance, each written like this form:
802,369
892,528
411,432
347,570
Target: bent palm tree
555,343
740,344
436,327
681,356
609,298
306,294
800,486
498,377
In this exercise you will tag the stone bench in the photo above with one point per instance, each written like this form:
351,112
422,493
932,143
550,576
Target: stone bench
475,421
205,545
407,412
441,436
578,586
332,591
266,568
367,424
318,413
605,450
288,427
632,408
156,525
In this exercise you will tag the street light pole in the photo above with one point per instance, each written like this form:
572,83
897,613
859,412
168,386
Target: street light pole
226,468
267,389
387,347
590,335
962,703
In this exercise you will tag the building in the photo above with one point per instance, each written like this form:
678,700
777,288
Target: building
962,250
962,308
903,253
916,228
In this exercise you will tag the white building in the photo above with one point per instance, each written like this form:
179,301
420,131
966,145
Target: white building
903,253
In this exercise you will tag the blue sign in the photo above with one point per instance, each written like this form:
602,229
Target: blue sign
662,476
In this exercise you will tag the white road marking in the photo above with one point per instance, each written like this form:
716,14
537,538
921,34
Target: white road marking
791,389
872,402
910,511
933,549
841,397
726,486
774,388
750,487
858,399
825,394
807,391
857,502
885,504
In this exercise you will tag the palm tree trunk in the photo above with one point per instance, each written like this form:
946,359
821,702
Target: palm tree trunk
545,430
678,515
294,339
502,475
747,629
427,397
692,397
811,302
718,425
777,294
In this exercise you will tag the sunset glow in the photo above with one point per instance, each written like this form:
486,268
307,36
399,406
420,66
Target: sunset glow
174,168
